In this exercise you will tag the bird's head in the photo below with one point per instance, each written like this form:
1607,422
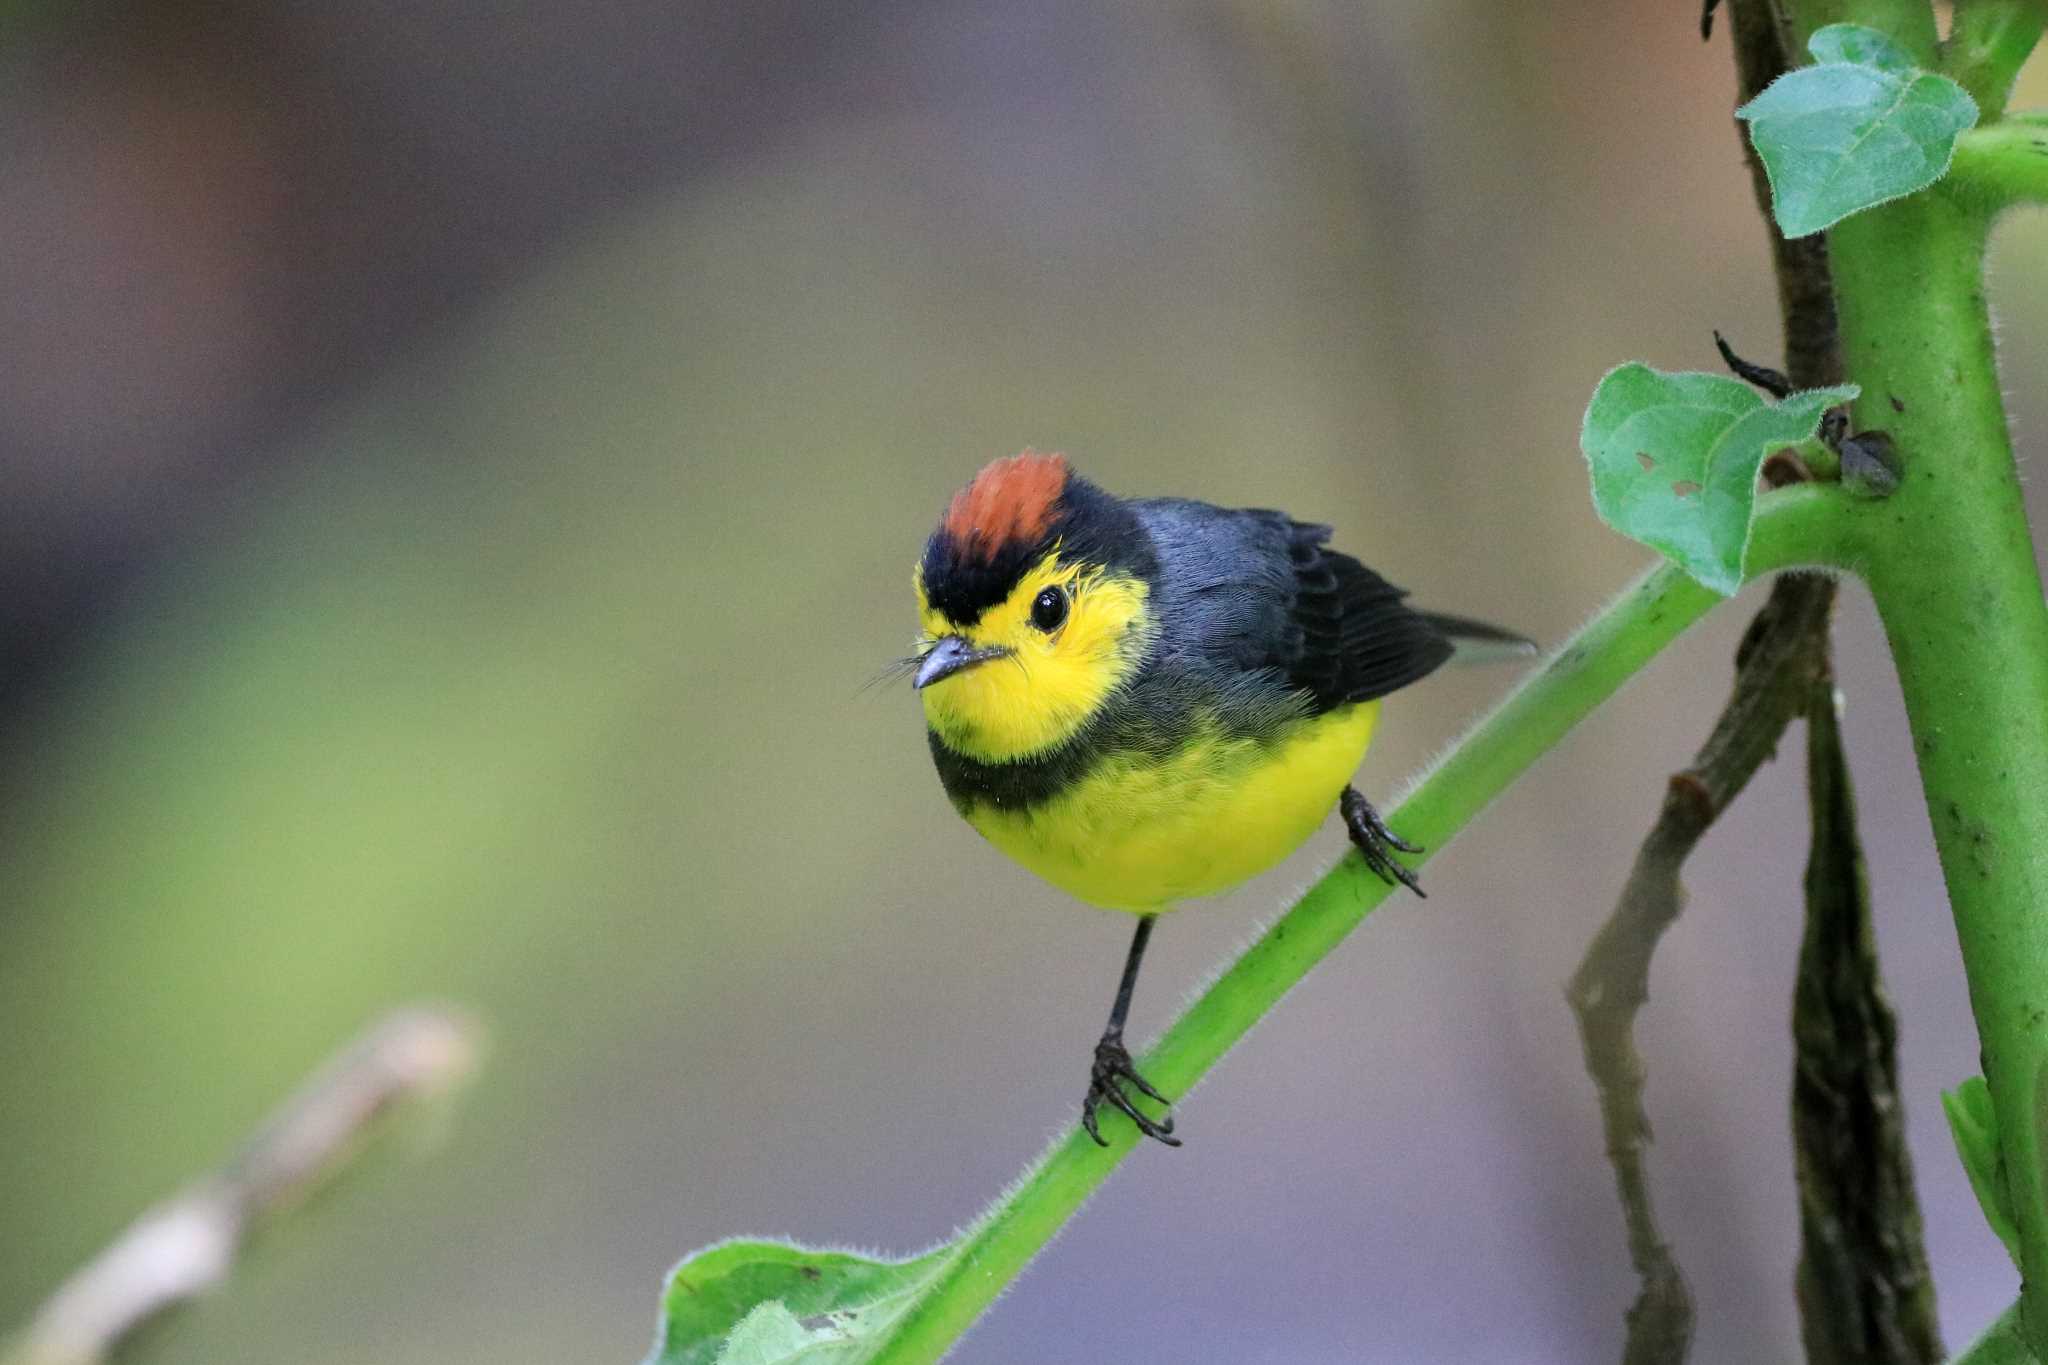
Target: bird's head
1033,596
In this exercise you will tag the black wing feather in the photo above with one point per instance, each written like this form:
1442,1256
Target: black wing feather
1359,639
1254,605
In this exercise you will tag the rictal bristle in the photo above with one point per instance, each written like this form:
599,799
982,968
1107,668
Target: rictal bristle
1010,502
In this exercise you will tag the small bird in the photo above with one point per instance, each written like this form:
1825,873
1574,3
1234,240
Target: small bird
1148,700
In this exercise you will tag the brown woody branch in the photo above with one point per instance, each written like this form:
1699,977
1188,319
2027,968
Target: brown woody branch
1782,654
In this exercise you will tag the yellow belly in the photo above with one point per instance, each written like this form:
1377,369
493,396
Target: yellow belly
1140,835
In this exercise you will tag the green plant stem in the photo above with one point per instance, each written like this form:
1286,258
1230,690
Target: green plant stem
1950,562
2001,164
1596,661
1986,46
1909,22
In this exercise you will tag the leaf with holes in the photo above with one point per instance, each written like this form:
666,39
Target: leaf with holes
1862,127
775,1303
1674,460
1974,1125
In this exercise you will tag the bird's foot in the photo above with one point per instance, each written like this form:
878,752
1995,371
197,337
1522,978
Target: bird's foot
1376,843
1112,1071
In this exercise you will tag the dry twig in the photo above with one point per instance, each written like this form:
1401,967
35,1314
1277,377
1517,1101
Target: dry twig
1782,655
188,1244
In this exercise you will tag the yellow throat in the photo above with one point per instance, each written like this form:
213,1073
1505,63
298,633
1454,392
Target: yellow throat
1130,831
1051,684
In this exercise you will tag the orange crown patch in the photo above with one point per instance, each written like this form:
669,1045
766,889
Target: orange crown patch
1010,502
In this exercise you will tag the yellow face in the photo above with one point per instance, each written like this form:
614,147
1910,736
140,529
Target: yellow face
1038,686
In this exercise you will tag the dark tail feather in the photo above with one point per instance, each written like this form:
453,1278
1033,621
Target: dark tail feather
1476,642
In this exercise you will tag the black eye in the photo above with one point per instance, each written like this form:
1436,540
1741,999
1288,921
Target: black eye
1048,609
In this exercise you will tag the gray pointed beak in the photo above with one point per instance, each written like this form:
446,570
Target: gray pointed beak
951,655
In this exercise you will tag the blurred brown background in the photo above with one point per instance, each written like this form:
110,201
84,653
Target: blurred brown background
459,463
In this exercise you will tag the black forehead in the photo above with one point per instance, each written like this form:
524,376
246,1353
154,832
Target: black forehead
1088,526
962,581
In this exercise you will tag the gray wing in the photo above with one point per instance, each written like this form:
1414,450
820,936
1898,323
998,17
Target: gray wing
1256,593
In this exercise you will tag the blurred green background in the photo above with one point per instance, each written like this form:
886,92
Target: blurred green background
462,463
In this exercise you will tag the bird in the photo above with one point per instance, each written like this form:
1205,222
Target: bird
1149,700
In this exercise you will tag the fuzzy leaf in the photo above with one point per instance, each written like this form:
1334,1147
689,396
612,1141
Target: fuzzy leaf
775,1303
1862,127
1674,460
1859,46
1974,1125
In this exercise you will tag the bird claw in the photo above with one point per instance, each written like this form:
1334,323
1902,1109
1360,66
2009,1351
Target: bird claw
1112,1071
1376,843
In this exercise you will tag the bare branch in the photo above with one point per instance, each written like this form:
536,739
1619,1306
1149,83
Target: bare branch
1782,654
189,1243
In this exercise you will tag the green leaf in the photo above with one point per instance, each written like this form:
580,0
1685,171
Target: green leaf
1674,460
1974,1125
1859,46
776,1303
1863,127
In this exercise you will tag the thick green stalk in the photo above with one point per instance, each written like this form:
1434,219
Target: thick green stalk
1986,46
1794,526
2004,163
1950,561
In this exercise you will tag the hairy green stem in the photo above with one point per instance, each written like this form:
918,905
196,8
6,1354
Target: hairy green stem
1950,561
1596,661
2004,163
1986,46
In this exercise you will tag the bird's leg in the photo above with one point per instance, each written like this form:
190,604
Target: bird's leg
1375,841
1113,1067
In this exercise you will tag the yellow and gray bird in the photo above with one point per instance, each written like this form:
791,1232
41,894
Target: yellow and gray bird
1148,700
